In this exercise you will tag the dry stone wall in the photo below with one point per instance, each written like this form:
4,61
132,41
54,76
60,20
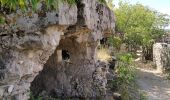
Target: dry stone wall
161,56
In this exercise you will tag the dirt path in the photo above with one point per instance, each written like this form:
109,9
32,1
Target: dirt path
153,84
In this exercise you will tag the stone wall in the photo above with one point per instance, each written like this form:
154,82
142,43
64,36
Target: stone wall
161,56
31,45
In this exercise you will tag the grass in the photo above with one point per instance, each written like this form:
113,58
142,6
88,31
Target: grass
125,82
143,96
103,54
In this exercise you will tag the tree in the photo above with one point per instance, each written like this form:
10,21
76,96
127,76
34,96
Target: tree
140,25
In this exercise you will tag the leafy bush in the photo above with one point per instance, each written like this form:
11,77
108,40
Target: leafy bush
2,20
125,75
115,42
125,69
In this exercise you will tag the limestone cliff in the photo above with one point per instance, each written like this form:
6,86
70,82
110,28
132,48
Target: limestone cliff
32,47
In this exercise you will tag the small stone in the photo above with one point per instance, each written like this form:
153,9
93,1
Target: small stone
117,96
21,62
11,87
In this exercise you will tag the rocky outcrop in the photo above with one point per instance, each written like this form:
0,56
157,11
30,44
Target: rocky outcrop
32,45
21,58
161,56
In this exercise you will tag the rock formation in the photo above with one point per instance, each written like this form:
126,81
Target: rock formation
32,47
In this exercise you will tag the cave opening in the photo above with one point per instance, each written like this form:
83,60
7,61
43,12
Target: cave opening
65,55
68,71
54,80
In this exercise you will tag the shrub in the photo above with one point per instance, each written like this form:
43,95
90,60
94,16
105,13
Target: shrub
115,42
125,75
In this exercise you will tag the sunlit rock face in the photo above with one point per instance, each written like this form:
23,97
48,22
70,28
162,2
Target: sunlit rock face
21,59
54,53
161,55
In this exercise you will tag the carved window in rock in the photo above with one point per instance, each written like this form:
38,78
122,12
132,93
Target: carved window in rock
65,55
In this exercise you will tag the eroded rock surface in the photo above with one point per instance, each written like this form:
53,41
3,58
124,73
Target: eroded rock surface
32,47
22,57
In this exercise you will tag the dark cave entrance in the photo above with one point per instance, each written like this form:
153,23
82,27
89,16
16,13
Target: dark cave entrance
65,55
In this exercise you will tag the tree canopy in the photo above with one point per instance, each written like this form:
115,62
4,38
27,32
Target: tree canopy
140,25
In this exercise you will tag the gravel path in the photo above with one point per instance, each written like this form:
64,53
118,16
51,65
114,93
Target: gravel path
153,84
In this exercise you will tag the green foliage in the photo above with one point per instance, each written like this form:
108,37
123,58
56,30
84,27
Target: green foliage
33,98
34,4
140,24
49,3
102,1
39,98
143,96
125,68
2,20
71,1
10,3
126,75
110,4
24,4
125,58
115,42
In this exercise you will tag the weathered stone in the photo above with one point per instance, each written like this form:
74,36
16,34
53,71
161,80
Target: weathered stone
67,14
31,52
161,55
10,88
1,92
23,57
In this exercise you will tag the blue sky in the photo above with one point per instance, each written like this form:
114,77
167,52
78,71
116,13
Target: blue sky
160,5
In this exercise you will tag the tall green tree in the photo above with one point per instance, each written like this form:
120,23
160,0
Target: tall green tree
140,25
